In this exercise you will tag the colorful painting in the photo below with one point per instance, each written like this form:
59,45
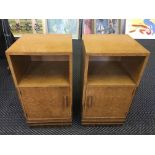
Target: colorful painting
141,28
27,26
88,26
64,26
107,26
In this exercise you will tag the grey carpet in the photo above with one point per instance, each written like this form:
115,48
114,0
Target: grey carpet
140,120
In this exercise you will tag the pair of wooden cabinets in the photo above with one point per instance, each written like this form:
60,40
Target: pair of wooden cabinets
41,66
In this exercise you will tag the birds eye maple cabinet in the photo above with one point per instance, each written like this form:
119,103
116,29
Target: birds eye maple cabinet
41,66
112,68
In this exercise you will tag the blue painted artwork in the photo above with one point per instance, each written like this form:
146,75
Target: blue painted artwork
141,28
63,26
150,24
107,26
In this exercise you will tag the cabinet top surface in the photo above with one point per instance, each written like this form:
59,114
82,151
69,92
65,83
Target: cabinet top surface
42,44
112,44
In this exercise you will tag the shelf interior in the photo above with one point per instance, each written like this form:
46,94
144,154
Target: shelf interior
108,73
42,73
36,72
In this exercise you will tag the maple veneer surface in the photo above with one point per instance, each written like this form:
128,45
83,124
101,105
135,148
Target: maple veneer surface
112,44
112,68
41,66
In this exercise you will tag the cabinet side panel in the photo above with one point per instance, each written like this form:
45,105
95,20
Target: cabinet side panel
15,81
84,74
71,82
19,64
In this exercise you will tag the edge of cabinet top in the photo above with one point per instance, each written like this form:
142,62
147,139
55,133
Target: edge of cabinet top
40,44
112,45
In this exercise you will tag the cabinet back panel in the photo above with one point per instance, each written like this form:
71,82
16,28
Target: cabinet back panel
134,66
54,66
50,58
104,58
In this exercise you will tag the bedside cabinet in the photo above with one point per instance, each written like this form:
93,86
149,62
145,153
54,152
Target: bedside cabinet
112,68
41,66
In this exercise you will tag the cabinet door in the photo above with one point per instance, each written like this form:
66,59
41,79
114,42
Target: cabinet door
46,103
107,102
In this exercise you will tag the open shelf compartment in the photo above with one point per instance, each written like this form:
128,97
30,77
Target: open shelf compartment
114,70
41,71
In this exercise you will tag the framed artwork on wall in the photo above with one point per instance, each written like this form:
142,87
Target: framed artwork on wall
64,26
122,26
107,26
140,28
39,26
104,26
88,26
27,26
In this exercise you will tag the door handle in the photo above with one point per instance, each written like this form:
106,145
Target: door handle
66,103
89,101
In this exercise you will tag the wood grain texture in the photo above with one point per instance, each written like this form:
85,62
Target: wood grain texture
50,58
42,44
105,102
19,66
11,66
108,73
102,121
46,74
112,45
46,103
113,66
71,82
45,123
41,66
135,66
